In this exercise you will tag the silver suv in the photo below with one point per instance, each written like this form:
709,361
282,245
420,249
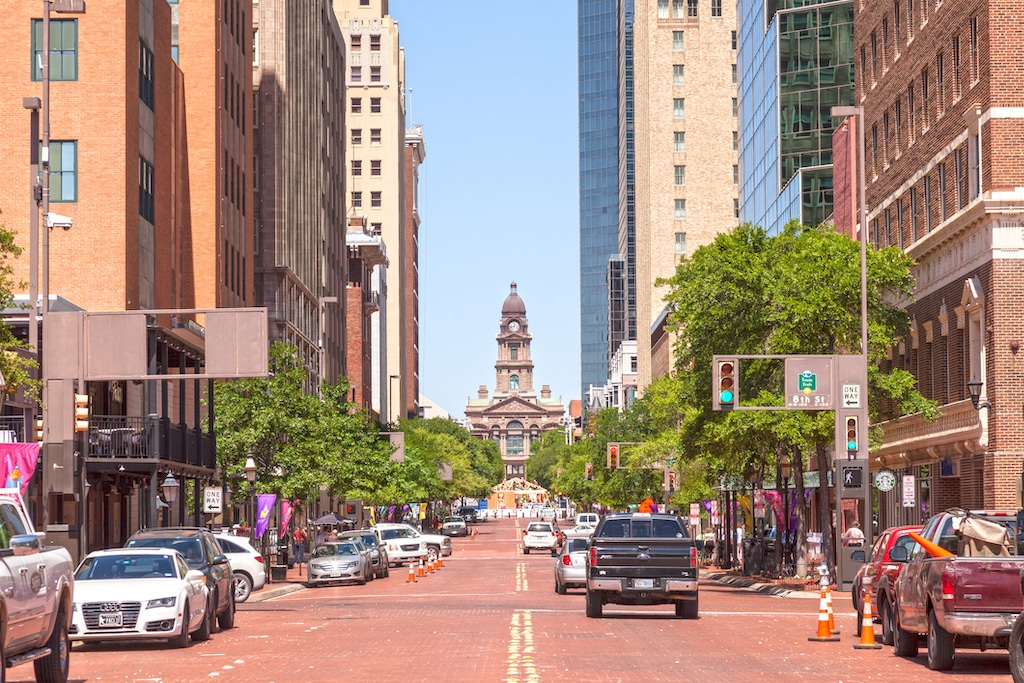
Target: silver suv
379,563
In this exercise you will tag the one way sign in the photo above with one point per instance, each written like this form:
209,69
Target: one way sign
851,396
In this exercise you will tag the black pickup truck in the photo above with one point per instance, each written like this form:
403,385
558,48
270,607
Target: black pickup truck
642,559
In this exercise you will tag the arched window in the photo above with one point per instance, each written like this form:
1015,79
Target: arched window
496,434
514,440
513,383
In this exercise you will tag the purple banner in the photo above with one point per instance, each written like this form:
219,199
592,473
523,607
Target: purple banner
264,504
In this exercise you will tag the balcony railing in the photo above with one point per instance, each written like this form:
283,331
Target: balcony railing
121,437
12,429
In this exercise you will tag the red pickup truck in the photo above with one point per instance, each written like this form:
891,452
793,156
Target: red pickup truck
970,597
878,575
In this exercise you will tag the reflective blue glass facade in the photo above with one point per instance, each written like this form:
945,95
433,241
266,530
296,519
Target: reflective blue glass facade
599,177
795,62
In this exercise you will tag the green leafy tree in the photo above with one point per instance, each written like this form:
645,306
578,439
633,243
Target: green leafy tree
15,365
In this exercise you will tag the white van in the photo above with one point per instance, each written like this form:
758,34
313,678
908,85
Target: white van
590,518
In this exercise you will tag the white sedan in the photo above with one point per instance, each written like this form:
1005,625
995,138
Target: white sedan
139,593
579,531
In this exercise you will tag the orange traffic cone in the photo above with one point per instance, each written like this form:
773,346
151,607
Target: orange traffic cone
412,574
440,562
867,628
420,572
831,613
430,565
824,633
931,548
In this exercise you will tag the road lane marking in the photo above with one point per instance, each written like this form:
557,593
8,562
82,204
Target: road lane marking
521,667
521,583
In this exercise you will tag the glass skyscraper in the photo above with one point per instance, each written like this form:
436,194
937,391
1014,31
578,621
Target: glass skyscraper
599,179
795,61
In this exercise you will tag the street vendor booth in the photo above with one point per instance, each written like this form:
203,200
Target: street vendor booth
514,493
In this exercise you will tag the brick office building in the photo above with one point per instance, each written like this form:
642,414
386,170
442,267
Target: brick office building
944,125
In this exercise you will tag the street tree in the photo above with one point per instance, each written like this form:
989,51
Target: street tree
15,363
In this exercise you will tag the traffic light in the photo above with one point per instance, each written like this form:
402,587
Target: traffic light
590,471
671,481
852,437
82,412
726,388
39,430
613,456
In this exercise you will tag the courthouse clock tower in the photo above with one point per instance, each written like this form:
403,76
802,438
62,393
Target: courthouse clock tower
514,369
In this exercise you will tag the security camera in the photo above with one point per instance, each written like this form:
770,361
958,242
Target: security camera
54,220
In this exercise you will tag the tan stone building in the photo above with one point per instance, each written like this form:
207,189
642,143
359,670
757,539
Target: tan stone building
516,415
686,154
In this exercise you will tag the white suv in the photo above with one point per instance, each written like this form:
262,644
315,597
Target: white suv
540,536
401,541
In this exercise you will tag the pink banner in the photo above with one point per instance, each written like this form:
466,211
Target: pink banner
286,515
18,464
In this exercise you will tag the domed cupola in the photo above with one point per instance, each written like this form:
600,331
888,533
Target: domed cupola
513,304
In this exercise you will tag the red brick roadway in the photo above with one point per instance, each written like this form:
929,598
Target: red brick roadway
491,614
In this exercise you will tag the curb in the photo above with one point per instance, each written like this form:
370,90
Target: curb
745,583
275,592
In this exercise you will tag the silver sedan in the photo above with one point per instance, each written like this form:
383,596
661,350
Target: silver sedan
571,565
340,561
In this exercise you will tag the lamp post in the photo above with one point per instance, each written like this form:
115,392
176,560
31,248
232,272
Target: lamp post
974,387
250,475
785,470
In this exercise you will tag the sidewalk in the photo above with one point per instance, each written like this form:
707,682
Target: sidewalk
788,588
294,581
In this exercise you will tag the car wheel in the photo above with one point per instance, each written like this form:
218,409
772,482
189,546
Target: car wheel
687,609
53,668
181,640
904,642
885,616
207,626
526,551
559,587
940,645
243,587
387,570
1016,646
226,619
433,552
594,606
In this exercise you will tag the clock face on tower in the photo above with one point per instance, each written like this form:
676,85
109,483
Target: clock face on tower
513,326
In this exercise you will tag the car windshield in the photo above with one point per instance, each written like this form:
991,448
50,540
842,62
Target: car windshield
332,549
454,520
539,527
126,567
191,548
368,540
396,533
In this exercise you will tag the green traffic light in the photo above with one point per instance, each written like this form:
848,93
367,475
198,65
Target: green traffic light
851,445
725,396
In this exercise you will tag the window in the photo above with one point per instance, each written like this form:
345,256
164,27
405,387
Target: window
959,170
910,20
146,201
375,198
924,100
927,204
679,108
942,191
680,176
896,27
874,150
357,200
357,105
940,85
678,41
677,74
888,225
735,107
913,214
734,40
885,42
375,136
146,92
357,42
63,176
63,49
862,76
691,8
375,43
357,136
735,174
357,74
681,243
898,120
680,210
677,9
974,49
974,163
734,74
956,68
679,141
736,207
716,8
374,105
375,167
357,167
735,141
255,47
513,351
874,58
375,74
375,228
663,9
513,384
885,137
911,115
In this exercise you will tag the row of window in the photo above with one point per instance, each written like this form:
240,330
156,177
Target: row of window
357,136
376,201
356,74
691,9
356,42
679,107
357,105
357,167
679,143
679,214
679,41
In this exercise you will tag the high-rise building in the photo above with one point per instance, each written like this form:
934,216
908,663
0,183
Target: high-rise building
685,101
598,42
795,60
939,84
298,114
376,176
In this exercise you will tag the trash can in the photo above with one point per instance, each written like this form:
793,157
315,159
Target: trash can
751,557
282,553
279,572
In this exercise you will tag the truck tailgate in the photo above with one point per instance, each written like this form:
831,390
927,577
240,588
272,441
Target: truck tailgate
986,584
653,558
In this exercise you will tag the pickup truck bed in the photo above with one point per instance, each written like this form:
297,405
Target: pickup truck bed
642,559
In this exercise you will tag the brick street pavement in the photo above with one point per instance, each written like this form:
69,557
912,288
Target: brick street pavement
491,614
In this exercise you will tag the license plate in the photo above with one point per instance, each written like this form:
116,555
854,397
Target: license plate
643,583
112,619
336,575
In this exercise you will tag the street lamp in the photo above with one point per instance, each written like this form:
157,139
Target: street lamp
974,387
250,475
785,470
169,487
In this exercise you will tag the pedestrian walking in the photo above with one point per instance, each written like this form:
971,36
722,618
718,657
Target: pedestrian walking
299,536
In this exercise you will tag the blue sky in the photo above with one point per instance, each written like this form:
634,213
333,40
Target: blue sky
494,87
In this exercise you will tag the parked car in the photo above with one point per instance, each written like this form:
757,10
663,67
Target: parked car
202,551
540,536
378,553
139,593
247,567
579,531
454,526
403,545
337,561
571,567
435,544
471,514
879,573
588,518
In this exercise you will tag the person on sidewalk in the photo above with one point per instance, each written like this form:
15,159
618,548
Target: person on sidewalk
299,536
854,537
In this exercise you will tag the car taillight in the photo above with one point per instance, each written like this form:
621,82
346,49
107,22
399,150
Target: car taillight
693,556
566,560
947,586
593,557
259,558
